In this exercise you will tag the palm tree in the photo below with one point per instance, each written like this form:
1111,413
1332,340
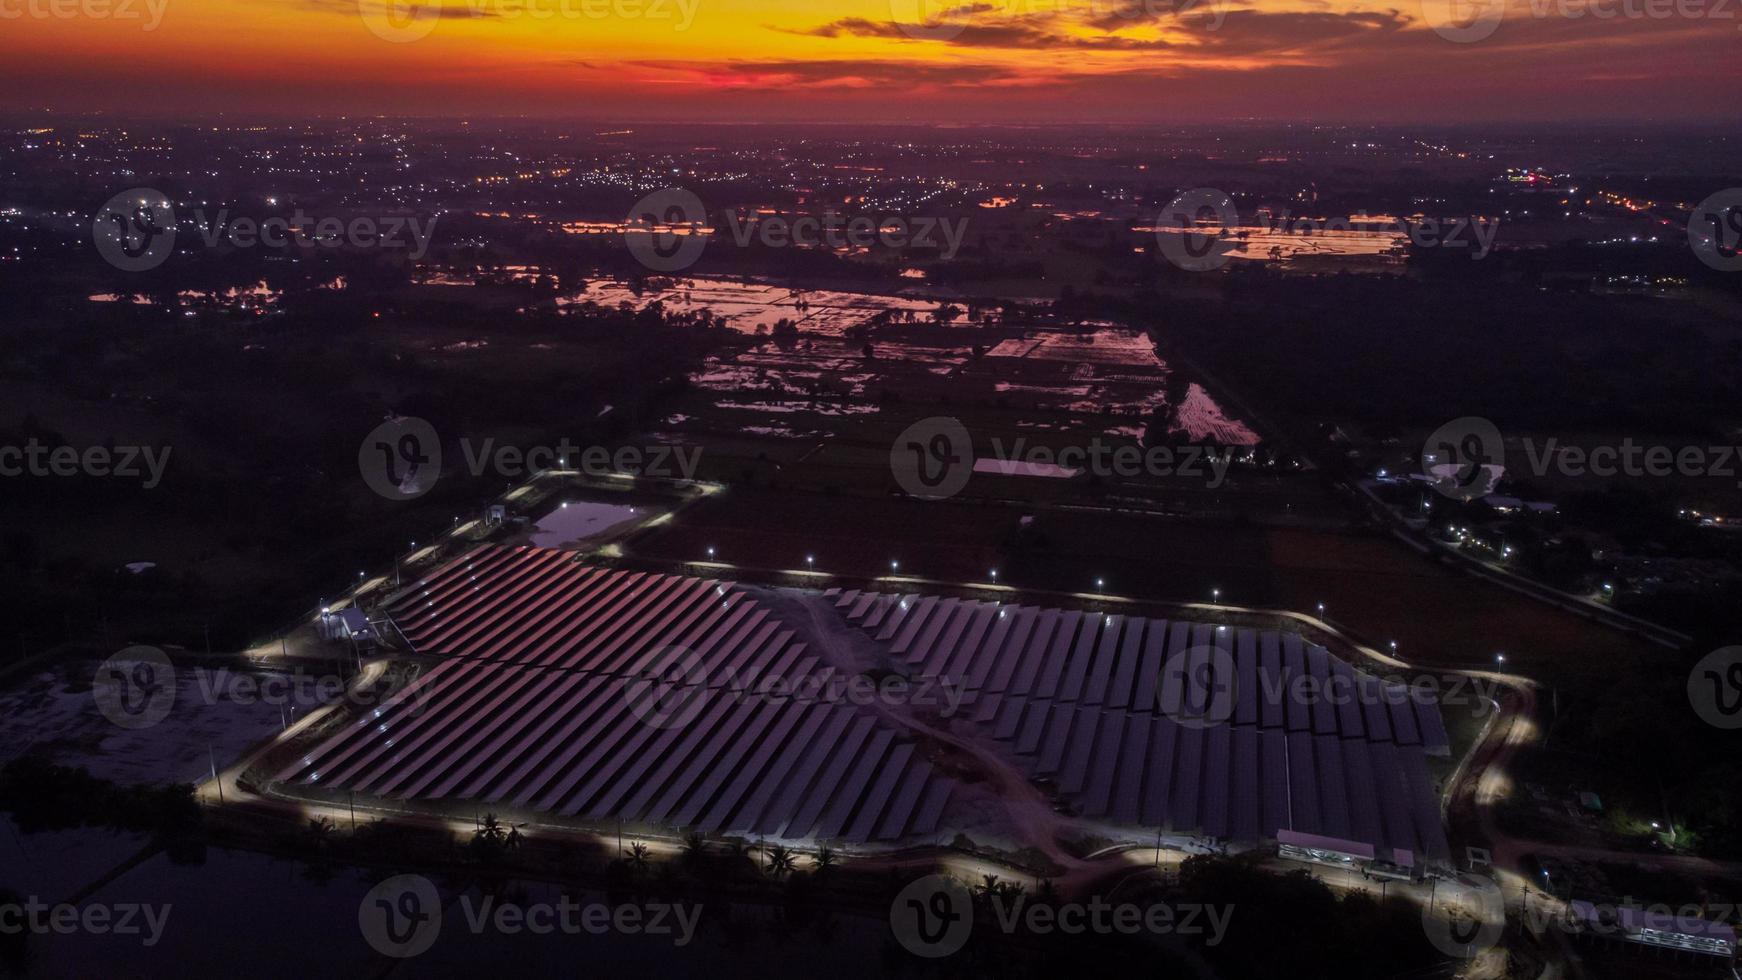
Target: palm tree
638,856
695,847
1047,893
490,831
780,862
824,859
988,885
737,855
320,831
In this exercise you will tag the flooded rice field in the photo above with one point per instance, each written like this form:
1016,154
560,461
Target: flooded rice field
853,356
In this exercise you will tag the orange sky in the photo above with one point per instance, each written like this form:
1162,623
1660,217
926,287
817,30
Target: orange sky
894,60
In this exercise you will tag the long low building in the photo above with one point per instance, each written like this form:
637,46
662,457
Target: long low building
602,695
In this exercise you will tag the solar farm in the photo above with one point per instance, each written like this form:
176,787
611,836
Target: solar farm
600,695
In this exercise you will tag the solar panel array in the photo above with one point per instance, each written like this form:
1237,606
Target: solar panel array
1103,706
543,703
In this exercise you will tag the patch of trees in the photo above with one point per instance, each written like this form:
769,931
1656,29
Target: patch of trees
42,796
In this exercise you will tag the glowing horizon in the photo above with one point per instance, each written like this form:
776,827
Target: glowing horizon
750,60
